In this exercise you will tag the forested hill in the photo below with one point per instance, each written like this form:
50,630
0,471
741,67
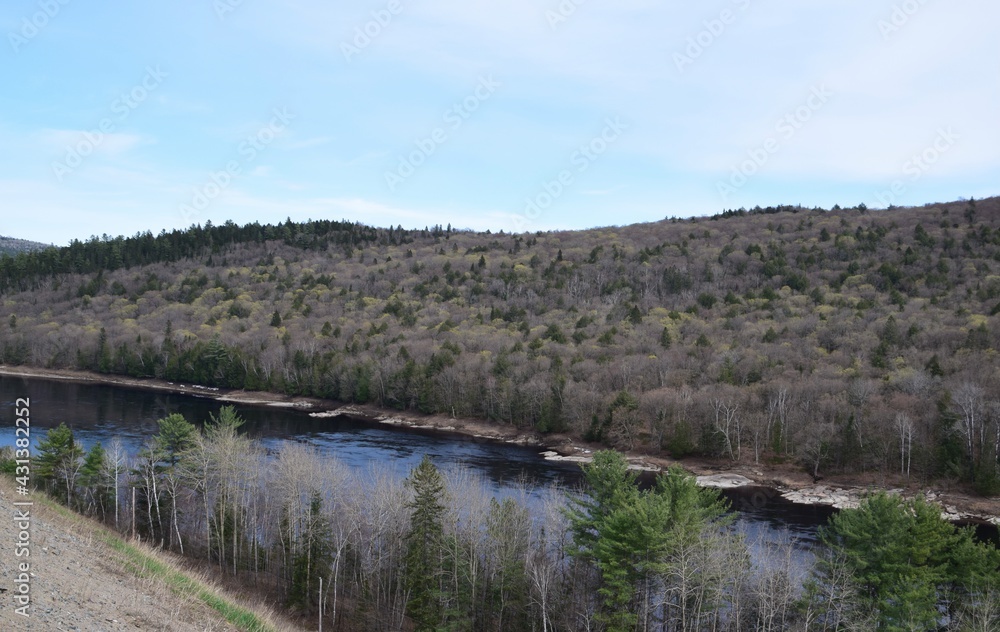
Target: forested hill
846,340
12,246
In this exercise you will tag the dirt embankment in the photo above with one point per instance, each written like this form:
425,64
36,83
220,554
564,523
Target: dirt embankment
790,480
77,581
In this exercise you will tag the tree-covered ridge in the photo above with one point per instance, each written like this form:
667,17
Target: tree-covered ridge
846,340
105,253
11,246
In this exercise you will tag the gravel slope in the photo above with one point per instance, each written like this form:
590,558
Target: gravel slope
79,583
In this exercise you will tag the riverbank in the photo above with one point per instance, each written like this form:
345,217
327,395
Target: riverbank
788,480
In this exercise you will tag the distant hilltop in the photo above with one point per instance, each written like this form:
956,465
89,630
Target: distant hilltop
12,246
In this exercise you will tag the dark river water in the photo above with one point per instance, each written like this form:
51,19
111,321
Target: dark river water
100,412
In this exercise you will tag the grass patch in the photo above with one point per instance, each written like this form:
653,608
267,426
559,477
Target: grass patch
146,565
41,498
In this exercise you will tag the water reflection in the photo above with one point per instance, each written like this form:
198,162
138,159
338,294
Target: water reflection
99,412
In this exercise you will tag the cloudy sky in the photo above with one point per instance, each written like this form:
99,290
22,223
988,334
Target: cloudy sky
119,117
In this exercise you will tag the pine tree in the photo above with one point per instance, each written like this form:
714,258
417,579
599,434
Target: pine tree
905,557
94,480
635,315
176,435
424,545
312,555
611,485
228,422
628,534
934,367
57,462
665,338
103,353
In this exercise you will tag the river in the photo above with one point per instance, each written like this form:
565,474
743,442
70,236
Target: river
99,412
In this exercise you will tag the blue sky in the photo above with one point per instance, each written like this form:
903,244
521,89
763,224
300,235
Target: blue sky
503,114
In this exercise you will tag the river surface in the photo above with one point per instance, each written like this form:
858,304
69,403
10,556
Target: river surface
98,412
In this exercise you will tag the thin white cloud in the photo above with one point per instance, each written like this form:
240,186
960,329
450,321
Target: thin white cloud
92,141
308,142
613,189
368,157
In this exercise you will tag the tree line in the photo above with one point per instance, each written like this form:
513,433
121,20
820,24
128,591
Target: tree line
437,551
841,341
29,266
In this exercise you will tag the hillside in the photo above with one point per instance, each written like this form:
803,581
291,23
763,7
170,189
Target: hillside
844,340
66,547
12,247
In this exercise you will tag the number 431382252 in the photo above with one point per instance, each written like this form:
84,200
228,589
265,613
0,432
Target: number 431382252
22,433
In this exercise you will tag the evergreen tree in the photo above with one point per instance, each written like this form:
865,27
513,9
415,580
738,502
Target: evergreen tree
176,435
228,422
94,481
906,559
57,462
424,545
312,555
665,338
102,358
628,534
635,315
170,445
934,367
890,333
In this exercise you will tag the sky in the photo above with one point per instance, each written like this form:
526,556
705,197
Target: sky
515,115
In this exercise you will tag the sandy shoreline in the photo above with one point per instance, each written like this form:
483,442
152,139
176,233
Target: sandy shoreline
791,482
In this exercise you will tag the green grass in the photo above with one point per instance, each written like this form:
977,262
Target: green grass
145,565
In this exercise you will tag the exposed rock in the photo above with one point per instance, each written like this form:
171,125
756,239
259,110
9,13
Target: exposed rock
550,455
823,495
724,481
